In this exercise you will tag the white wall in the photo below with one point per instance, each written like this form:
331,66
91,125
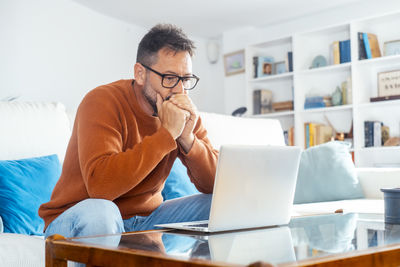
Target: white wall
58,50
234,86
209,93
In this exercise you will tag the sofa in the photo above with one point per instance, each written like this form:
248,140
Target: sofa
34,129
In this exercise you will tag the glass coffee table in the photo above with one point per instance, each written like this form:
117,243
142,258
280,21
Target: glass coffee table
324,240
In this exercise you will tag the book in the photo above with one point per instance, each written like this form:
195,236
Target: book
335,53
262,101
289,61
366,45
307,135
311,134
368,133
344,51
285,105
384,98
255,66
323,134
377,134
374,45
361,47
256,102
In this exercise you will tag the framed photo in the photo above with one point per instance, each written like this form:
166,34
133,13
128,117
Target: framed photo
389,83
234,63
391,48
267,68
279,67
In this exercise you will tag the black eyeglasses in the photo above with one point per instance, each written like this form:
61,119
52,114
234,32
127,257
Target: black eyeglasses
171,80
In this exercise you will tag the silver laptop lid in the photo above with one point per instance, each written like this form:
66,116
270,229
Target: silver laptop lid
254,186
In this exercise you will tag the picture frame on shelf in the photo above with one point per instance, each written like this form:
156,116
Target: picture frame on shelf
391,48
234,63
279,67
267,68
389,83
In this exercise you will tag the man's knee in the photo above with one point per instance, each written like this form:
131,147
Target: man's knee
97,216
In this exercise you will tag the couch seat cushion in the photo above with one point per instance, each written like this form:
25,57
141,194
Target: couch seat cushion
21,250
348,206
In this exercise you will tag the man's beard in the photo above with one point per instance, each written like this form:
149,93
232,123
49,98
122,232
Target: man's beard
152,100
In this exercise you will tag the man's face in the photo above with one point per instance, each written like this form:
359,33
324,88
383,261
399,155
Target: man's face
168,62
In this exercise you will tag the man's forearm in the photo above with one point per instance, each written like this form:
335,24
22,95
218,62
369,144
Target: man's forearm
186,142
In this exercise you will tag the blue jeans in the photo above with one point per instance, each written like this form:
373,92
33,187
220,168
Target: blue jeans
98,216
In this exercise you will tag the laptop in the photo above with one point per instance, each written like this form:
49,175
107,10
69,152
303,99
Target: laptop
254,187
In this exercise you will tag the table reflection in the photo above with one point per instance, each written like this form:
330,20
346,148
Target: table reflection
305,237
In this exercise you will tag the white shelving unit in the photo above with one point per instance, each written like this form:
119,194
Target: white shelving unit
323,81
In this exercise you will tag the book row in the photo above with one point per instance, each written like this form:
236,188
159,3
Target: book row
368,46
316,134
340,51
375,133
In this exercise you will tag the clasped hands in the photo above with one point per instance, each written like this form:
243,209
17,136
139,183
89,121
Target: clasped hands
178,115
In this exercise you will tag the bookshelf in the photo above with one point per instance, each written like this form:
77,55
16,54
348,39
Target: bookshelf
304,82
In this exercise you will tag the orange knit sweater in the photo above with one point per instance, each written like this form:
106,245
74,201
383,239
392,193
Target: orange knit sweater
118,152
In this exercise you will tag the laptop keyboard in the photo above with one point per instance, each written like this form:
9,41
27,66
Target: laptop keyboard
198,225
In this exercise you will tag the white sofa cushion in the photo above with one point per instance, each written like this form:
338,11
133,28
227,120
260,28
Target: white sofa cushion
21,250
346,206
31,129
223,129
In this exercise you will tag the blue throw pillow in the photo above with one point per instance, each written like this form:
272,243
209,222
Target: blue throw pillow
327,173
1,226
24,185
178,183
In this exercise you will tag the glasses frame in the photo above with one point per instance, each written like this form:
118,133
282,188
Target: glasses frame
180,78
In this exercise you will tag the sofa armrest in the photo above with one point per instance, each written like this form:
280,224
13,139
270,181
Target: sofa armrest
373,179
224,129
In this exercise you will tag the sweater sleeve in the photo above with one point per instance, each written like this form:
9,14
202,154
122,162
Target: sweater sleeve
201,161
108,169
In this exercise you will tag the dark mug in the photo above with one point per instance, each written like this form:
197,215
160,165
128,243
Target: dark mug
391,198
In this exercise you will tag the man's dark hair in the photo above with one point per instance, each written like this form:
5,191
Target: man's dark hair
161,36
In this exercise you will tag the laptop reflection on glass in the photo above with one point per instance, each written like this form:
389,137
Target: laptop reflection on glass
254,187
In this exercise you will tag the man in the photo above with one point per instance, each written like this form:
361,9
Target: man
125,138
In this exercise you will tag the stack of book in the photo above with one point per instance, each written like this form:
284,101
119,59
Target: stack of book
340,51
317,102
368,46
316,134
375,133
262,101
280,106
